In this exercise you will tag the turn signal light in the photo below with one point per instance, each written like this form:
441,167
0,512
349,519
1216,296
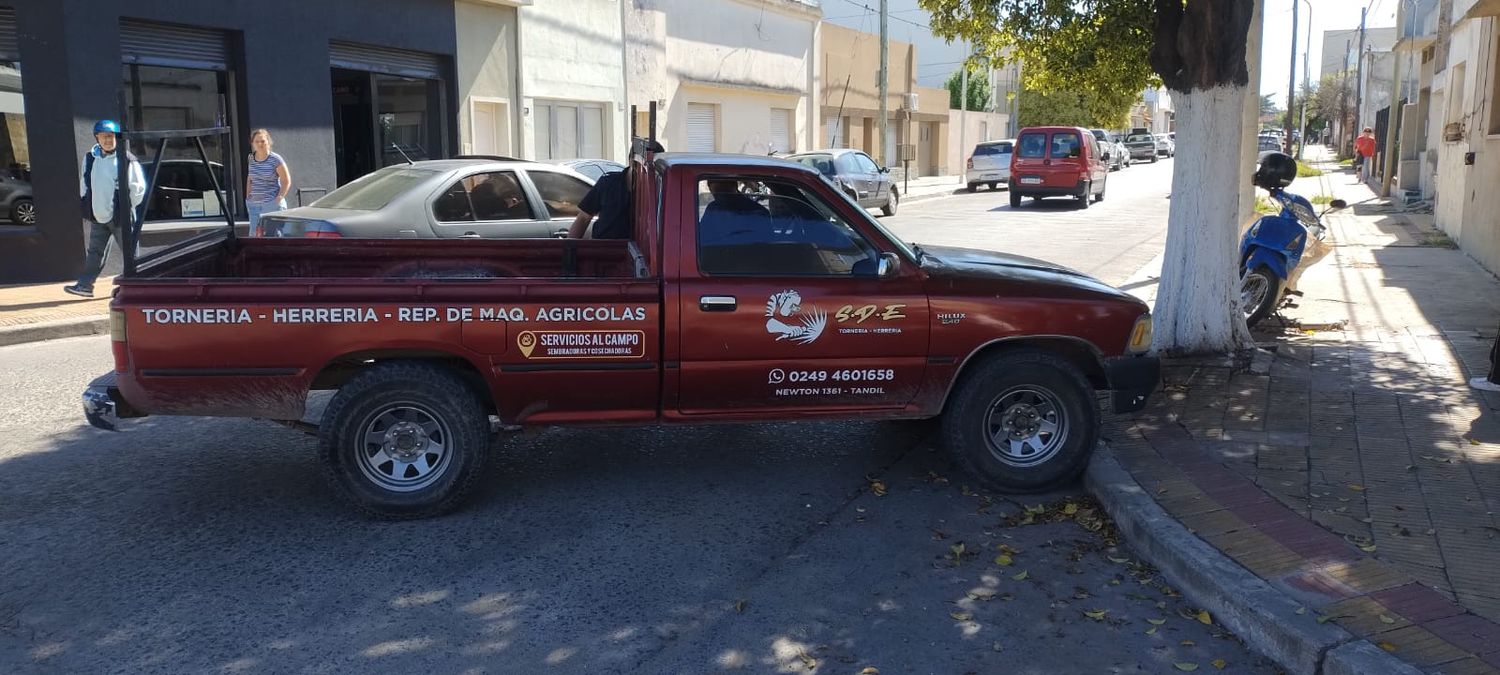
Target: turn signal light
1141,335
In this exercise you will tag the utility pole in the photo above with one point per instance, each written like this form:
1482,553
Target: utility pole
1306,84
885,85
1291,80
1344,102
963,120
1359,77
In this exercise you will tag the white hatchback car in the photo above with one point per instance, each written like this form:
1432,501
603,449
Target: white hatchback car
990,164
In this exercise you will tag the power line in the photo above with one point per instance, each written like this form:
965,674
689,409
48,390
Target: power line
868,8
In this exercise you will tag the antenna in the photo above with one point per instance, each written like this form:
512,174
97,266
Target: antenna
403,153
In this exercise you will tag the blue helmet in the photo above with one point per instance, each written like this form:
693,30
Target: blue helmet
107,126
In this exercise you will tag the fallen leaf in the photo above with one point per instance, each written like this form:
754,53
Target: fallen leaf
1151,630
1039,509
1070,508
1386,646
1186,667
1474,441
1204,618
961,616
870,670
957,549
1003,560
1156,622
1386,619
1161,492
1096,614
1368,549
1356,487
878,488
1022,576
739,607
1301,610
1326,619
1219,663
1187,643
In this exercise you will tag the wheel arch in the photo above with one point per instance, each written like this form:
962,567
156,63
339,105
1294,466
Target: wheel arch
1077,351
340,369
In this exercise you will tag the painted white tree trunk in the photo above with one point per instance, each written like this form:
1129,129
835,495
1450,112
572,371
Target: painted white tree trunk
1198,302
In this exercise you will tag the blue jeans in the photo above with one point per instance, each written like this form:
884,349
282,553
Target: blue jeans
258,209
100,236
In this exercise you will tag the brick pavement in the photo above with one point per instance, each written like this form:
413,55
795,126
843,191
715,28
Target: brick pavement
36,303
1354,469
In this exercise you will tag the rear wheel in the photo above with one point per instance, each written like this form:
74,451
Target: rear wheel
1260,290
1102,187
23,211
404,440
1015,199
973,187
891,203
994,186
1087,195
1025,421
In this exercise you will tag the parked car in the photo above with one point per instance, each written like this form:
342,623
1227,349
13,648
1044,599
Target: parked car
989,164
1267,144
1141,146
594,169
1057,162
442,198
807,310
16,202
854,172
1164,146
1115,154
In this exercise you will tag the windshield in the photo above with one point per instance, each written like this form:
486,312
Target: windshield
992,149
823,163
1140,138
372,192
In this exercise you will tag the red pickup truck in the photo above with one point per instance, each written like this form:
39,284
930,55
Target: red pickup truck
753,291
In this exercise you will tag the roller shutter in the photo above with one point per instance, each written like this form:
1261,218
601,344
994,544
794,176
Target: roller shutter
159,44
703,127
388,60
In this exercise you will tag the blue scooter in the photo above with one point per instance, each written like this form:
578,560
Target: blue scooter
1273,252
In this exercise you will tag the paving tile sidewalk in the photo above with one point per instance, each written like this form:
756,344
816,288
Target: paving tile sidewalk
1354,469
32,312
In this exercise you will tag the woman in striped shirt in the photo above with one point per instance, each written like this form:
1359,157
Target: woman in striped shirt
267,181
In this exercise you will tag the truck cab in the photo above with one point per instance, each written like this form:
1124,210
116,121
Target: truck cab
753,290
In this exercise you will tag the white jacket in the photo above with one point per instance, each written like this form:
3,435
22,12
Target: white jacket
103,178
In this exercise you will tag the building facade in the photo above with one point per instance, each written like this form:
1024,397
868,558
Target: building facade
1467,204
488,40
573,80
727,75
341,95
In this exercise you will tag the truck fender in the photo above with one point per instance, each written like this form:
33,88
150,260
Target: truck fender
1079,351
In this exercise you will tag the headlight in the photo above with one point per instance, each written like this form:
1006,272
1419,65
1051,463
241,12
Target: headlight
1140,336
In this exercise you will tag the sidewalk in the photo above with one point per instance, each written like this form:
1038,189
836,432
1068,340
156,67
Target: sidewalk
928,187
33,312
1351,468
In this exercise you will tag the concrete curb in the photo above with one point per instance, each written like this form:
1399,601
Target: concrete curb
1264,617
51,330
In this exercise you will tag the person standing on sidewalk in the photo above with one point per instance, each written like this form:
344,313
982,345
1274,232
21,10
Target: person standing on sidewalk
266,182
99,183
1491,383
1364,152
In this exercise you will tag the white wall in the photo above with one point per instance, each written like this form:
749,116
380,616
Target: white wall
998,126
747,56
571,51
486,63
1467,202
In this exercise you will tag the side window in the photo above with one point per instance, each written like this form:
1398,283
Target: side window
453,205
560,192
866,164
849,165
497,196
589,169
751,227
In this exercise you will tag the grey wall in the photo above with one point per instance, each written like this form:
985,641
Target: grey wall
70,59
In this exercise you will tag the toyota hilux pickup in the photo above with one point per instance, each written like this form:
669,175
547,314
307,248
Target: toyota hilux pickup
753,290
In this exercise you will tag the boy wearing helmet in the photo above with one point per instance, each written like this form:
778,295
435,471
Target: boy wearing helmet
97,188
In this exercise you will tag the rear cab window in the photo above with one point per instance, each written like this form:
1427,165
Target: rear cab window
1066,144
1032,145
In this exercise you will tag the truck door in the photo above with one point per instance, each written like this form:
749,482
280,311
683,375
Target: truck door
782,307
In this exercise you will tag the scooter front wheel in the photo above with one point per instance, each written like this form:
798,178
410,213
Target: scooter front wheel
1260,290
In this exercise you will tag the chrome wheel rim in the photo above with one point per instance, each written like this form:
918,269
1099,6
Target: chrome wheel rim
26,213
403,448
1026,426
1253,290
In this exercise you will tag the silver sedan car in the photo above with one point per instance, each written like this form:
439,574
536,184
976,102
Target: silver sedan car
443,198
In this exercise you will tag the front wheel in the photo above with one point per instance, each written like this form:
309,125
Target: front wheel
23,211
994,186
1025,421
973,187
890,204
1260,290
404,440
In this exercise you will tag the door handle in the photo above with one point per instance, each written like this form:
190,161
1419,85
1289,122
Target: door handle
717,303
470,235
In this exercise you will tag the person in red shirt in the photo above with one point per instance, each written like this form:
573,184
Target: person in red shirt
1364,151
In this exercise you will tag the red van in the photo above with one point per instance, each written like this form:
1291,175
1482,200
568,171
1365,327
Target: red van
1058,162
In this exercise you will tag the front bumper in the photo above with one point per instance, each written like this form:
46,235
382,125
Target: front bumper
1132,379
102,404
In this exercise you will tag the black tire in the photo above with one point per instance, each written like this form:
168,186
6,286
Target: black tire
891,203
994,186
1015,199
23,211
1086,196
1102,187
1268,303
405,391
968,425
1153,158
973,187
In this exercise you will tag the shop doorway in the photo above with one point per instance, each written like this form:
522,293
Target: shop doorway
381,119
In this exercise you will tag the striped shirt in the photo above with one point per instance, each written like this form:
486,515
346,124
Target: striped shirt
264,185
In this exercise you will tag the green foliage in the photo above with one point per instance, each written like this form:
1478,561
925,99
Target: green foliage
1306,171
1097,48
1320,200
1267,106
1069,109
1264,205
979,90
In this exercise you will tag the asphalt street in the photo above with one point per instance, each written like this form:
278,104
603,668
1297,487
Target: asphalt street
211,545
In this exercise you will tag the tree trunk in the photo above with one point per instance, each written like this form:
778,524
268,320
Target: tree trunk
1206,52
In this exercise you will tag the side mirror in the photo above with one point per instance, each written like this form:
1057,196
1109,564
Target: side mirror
885,169
889,266
1338,204
1107,156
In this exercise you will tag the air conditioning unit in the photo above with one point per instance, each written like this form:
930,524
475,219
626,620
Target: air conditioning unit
910,102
